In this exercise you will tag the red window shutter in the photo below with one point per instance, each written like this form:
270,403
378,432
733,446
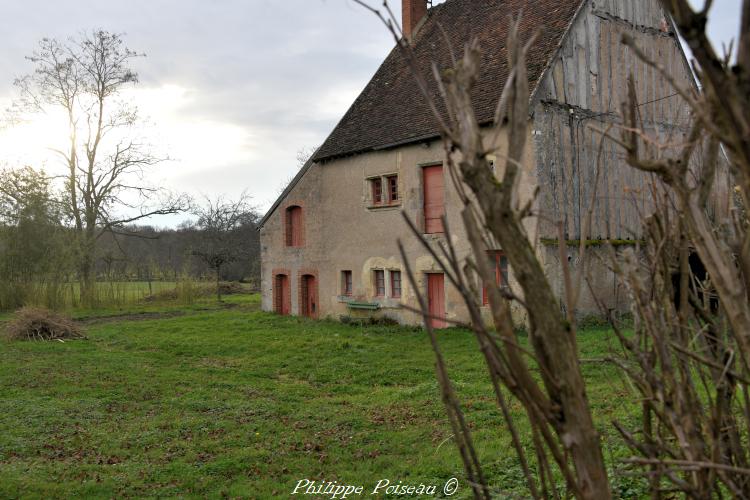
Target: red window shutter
434,199
294,226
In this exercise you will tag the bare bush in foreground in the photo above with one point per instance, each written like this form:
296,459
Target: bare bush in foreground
690,353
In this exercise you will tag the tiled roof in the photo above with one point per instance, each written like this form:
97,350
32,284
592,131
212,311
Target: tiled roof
392,111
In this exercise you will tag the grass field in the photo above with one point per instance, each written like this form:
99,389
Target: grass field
204,401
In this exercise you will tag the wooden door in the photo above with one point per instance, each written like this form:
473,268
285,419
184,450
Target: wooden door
436,299
434,199
309,306
283,295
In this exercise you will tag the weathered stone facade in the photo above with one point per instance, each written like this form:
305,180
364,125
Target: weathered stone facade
581,89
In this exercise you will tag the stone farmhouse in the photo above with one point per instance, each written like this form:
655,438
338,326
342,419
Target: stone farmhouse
328,244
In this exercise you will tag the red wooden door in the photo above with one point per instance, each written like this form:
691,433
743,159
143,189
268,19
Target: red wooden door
309,296
283,294
436,299
434,199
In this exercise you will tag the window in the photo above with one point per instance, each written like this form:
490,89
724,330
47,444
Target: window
396,284
498,262
294,226
434,199
384,191
377,191
379,283
346,283
392,188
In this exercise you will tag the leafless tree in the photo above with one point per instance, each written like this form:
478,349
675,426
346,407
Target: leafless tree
221,240
105,157
558,409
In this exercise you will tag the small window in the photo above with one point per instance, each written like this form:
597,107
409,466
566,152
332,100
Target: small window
379,283
498,262
377,191
492,161
346,283
392,188
294,226
396,284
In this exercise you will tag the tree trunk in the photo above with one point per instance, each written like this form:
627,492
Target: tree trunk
218,285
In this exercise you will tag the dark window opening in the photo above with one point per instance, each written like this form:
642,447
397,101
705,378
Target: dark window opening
379,283
498,262
392,188
396,284
377,191
346,283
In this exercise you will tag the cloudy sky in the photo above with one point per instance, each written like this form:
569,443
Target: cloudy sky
234,87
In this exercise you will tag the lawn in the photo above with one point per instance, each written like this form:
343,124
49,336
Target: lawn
210,401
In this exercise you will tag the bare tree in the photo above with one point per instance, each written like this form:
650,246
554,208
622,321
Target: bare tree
221,239
106,160
558,409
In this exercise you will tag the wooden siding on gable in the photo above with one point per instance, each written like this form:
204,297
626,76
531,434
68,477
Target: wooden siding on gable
581,96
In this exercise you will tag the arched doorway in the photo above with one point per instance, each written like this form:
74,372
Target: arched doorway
309,296
282,295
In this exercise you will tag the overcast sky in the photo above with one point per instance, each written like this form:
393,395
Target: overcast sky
235,87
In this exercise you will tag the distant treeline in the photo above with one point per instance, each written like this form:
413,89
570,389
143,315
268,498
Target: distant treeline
145,253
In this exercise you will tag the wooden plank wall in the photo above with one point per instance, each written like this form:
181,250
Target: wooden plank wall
584,91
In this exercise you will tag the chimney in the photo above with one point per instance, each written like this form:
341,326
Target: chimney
412,12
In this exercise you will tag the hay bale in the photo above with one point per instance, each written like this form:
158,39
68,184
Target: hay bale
31,323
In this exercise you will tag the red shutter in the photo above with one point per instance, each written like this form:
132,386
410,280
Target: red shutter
294,226
434,199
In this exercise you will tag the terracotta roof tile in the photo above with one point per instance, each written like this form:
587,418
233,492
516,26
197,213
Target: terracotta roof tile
391,110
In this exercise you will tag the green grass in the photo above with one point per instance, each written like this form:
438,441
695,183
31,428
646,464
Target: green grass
236,402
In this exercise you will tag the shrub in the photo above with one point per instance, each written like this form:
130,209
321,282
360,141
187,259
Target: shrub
30,323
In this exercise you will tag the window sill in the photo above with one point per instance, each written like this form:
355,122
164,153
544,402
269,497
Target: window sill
384,206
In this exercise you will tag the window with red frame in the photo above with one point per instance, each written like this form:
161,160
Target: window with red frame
498,262
396,284
377,191
379,283
346,283
392,188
